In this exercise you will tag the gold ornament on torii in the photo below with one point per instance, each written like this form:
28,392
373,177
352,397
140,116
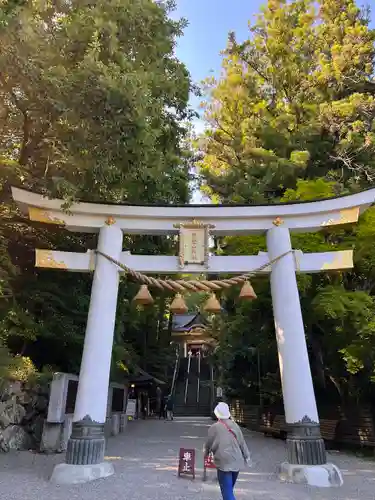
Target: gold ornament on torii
193,242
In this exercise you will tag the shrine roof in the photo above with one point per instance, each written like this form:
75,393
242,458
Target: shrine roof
185,322
142,377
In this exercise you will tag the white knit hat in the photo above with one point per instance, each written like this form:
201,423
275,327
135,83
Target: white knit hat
222,411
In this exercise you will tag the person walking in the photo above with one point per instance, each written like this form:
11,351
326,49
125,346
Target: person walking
169,407
162,408
144,405
159,395
225,440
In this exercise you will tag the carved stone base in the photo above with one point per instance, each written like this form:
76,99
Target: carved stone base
86,444
77,474
322,476
305,445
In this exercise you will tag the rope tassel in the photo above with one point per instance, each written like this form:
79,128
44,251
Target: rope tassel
178,305
143,297
247,292
212,305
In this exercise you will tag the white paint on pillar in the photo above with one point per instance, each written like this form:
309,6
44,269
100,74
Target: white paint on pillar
97,351
296,379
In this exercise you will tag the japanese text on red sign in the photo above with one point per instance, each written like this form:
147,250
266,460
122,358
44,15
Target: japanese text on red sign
186,464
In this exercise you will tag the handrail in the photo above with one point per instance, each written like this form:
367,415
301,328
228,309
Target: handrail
199,375
212,383
176,368
187,377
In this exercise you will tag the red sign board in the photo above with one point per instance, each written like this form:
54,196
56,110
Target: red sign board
186,463
209,462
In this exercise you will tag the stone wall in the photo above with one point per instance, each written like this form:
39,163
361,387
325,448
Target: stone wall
23,410
40,417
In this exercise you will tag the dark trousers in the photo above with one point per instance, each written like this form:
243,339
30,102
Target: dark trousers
227,480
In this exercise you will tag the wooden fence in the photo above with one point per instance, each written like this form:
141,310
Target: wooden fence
346,427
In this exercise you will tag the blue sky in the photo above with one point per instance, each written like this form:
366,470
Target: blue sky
210,21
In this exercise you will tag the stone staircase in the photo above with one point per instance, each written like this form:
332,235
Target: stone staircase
193,407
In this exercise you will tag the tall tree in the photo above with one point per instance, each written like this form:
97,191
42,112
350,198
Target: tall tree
296,100
93,99
293,118
93,105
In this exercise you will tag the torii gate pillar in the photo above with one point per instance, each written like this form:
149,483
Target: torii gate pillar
305,446
85,451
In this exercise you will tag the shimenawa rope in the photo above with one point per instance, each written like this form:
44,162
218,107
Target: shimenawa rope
189,285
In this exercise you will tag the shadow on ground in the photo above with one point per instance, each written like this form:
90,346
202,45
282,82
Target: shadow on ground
145,461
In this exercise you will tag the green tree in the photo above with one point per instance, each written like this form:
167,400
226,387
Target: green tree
292,119
93,106
296,101
93,100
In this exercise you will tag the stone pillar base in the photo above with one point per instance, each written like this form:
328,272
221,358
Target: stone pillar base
84,455
77,474
86,443
304,443
323,476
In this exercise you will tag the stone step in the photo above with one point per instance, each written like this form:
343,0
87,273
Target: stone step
193,413
193,410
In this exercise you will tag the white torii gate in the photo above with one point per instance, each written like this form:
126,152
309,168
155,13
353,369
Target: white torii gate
306,451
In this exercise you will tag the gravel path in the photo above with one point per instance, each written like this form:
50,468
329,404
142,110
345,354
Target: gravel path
146,468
